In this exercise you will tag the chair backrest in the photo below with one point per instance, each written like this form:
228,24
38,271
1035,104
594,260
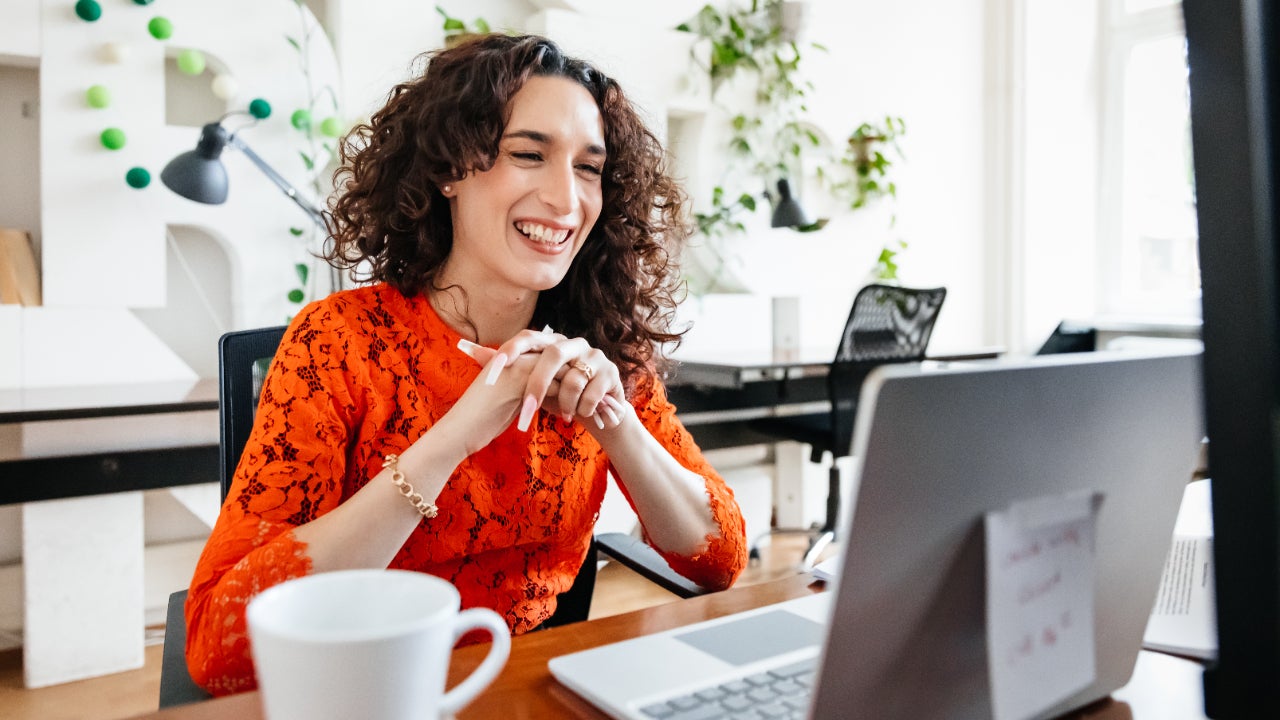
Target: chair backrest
243,359
887,324
890,324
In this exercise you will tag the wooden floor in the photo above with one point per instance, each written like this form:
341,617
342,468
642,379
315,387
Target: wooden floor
130,693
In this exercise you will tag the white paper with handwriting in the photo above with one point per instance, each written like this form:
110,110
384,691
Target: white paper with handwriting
1040,578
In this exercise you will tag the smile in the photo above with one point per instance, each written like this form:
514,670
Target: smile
542,233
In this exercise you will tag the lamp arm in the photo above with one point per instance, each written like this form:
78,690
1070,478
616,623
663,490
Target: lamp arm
278,180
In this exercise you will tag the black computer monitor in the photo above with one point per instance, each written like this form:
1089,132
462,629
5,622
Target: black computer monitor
1233,48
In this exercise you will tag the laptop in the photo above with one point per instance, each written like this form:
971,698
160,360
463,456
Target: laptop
901,631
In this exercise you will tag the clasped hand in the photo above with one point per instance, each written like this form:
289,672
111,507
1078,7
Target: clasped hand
562,375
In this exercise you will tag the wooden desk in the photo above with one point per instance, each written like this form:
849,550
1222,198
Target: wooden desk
1163,686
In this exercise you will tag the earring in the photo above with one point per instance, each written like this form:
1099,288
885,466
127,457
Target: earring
446,189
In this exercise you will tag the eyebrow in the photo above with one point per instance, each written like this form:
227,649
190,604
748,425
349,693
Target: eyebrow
545,139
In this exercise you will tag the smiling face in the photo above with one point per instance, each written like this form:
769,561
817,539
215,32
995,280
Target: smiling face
518,225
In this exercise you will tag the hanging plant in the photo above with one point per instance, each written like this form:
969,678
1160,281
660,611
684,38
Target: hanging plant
861,175
455,29
317,140
769,136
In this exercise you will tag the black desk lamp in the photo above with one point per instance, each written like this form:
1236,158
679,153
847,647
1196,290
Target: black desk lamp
786,211
200,175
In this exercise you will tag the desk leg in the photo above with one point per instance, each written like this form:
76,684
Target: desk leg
789,484
83,587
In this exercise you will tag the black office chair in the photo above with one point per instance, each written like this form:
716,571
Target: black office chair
1070,338
887,324
243,359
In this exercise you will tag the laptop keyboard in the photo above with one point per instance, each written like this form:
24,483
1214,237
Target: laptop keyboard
779,693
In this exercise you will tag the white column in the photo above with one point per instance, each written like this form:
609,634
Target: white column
83,591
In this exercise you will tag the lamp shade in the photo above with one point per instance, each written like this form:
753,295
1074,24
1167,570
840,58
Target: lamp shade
787,211
199,174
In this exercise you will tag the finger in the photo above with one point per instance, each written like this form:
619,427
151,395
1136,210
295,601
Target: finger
572,383
479,353
527,409
608,411
528,341
493,367
550,364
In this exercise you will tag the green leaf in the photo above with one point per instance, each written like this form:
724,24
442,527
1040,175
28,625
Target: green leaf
814,226
454,25
748,201
482,25
296,231
442,12
302,271
296,295
294,43
306,160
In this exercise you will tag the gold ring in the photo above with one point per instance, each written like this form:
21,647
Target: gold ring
583,368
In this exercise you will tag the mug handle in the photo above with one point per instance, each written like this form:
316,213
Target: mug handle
479,679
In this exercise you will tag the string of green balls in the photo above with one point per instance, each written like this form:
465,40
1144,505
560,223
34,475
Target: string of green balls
88,10
160,27
112,138
97,96
137,178
191,62
260,109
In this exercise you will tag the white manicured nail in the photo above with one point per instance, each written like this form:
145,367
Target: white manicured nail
495,368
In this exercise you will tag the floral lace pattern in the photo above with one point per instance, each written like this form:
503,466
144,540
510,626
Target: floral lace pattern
364,373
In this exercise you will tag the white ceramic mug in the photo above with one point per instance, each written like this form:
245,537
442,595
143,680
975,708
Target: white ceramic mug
366,644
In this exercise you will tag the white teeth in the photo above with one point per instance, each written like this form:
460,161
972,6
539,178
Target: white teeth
542,233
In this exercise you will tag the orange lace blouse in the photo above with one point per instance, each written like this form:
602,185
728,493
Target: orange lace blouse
364,373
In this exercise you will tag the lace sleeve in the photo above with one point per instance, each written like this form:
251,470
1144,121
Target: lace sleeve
725,553
291,472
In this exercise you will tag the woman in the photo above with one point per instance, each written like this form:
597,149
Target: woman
459,415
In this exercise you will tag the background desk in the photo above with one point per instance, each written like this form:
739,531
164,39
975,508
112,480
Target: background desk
77,458
717,394
1163,687
76,441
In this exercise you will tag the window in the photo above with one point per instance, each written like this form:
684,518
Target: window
1147,213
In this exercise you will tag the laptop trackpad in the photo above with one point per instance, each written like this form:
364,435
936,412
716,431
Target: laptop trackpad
756,637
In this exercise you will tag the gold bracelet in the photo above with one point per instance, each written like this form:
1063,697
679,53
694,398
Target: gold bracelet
427,509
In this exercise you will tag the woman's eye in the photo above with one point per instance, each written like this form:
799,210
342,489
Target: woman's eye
593,169
533,157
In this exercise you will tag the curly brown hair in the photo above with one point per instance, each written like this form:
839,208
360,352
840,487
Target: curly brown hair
619,293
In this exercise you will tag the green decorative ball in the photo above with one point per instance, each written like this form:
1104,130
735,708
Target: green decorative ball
160,28
295,296
97,96
260,108
332,127
137,178
191,62
300,119
88,10
143,2
112,138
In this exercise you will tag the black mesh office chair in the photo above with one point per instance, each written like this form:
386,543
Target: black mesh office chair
243,359
887,324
